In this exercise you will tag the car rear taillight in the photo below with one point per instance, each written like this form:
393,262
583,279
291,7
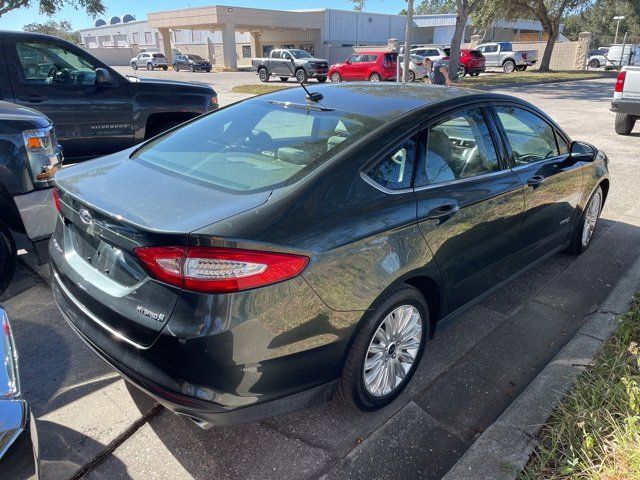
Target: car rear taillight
219,270
524,55
445,58
56,199
620,82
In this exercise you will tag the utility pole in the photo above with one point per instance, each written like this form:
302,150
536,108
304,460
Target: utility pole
618,18
407,42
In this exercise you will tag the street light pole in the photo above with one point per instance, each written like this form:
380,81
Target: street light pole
407,42
618,18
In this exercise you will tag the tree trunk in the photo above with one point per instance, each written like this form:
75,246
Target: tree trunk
554,30
461,23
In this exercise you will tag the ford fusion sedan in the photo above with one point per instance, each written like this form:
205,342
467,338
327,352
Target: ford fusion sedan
259,258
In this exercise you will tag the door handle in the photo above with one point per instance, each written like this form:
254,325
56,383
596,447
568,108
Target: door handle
535,181
443,212
33,98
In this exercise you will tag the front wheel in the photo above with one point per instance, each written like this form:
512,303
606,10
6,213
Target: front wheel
624,123
587,226
301,75
474,74
134,65
521,68
192,68
263,75
335,77
149,66
165,67
321,79
594,63
412,76
386,350
508,66
8,257
175,67
375,77
462,71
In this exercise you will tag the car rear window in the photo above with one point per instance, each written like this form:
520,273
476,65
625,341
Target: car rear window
255,145
447,52
476,53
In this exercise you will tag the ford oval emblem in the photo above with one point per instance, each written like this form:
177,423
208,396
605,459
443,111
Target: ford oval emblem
85,216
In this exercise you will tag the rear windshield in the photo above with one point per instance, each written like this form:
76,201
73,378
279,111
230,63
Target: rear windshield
476,53
158,55
447,52
255,145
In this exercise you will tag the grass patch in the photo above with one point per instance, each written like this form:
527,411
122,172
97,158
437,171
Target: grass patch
261,88
534,76
595,432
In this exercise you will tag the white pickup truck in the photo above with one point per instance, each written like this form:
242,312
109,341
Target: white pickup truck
626,99
501,54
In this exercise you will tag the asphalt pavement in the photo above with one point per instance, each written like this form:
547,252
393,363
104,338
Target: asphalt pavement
90,423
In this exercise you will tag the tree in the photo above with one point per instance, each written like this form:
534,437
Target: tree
428,7
50,7
358,5
599,21
60,29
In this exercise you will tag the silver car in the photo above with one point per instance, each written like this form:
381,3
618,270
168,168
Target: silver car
151,60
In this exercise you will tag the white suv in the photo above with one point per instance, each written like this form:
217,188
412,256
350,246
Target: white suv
150,60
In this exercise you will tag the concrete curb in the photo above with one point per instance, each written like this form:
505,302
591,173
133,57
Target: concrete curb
504,448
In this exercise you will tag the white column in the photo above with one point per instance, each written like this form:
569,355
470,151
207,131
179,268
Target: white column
166,44
230,60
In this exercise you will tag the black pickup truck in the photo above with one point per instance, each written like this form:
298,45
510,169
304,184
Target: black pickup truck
96,110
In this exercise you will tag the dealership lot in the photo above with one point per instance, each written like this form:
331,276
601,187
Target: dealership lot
472,370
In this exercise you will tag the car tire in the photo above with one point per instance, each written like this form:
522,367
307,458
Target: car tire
624,123
474,74
301,75
412,76
134,65
335,77
508,66
208,70
176,68
8,257
321,79
586,227
192,68
263,75
521,68
594,63
462,71
371,340
149,66
284,79
165,68
375,77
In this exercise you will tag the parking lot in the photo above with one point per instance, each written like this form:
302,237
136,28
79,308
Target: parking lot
90,423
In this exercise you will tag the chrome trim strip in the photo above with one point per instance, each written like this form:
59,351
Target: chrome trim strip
84,310
463,180
377,186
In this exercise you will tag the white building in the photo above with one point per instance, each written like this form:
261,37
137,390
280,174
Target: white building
231,36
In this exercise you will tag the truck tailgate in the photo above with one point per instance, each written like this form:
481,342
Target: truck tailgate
631,90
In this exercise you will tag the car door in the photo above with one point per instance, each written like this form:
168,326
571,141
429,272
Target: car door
469,204
179,61
491,55
350,67
539,156
285,66
59,80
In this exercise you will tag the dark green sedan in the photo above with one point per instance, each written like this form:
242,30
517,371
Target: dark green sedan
258,258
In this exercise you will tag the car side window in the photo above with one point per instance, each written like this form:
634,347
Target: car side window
395,171
563,145
531,138
276,54
490,49
355,58
47,63
286,55
458,147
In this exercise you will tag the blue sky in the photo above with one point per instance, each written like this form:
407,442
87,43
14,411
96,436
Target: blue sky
16,19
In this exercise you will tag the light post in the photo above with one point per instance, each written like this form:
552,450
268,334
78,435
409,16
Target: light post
407,43
618,18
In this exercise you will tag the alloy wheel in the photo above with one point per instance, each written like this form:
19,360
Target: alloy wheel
591,217
374,77
335,77
392,351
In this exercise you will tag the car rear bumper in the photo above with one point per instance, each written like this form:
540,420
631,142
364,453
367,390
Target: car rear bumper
18,441
630,107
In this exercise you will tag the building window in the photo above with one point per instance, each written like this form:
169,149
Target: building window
288,46
197,36
246,51
308,47
136,37
147,38
266,50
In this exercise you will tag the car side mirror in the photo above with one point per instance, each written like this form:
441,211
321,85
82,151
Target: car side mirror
348,62
582,152
103,77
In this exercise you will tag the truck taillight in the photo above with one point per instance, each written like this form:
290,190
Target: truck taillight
56,199
620,82
524,55
219,270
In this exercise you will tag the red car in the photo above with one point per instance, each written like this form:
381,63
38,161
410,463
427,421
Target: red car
471,62
372,65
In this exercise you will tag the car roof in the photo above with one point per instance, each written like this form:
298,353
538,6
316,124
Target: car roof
372,52
383,100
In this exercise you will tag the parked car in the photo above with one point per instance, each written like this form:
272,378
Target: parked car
501,54
291,62
433,53
149,60
631,55
626,99
374,66
29,157
257,258
19,455
417,69
96,110
598,58
471,62
191,62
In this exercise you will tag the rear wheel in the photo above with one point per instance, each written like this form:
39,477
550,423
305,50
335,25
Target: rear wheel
192,68
149,66
521,68
375,77
624,123
175,67
321,79
8,257
208,70
587,226
165,67
412,76
335,77
301,75
386,350
462,71
284,79
474,74
134,65
508,66
263,75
